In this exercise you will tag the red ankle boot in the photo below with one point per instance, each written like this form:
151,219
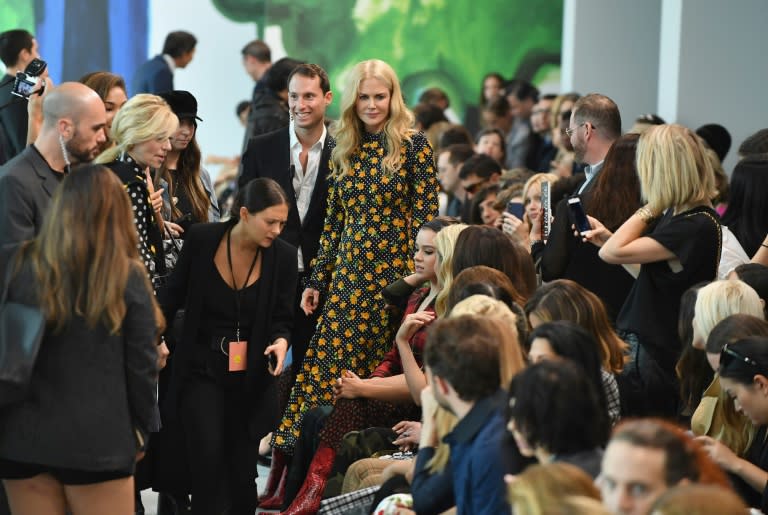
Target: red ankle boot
307,501
277,473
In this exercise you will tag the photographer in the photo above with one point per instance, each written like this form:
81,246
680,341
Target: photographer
17,49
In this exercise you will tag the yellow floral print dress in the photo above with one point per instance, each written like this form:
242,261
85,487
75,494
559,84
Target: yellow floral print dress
367,243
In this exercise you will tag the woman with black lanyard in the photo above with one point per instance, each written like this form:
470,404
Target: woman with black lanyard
236,281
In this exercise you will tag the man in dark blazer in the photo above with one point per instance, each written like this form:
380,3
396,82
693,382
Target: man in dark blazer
17,49
297,158
156,75
74,119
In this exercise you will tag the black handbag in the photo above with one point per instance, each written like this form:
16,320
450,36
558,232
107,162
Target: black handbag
21,331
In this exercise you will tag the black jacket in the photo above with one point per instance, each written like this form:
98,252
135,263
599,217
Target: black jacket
269,156
273,319
90,390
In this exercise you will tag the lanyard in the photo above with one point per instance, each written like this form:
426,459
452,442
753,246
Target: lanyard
245,283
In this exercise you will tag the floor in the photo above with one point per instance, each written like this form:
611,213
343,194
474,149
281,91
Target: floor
149,498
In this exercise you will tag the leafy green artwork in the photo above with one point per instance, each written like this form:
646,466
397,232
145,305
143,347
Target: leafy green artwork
17,14
451,44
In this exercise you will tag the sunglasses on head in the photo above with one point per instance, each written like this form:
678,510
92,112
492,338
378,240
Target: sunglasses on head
728,356
472,188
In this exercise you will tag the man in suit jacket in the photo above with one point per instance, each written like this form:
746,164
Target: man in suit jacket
74,119
156,75
297,158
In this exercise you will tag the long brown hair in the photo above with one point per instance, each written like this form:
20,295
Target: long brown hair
86,250
616,195
564,299
186,178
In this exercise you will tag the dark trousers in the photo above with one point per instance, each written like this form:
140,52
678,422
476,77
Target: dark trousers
647,389
220,452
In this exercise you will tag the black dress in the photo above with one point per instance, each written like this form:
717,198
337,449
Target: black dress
220,452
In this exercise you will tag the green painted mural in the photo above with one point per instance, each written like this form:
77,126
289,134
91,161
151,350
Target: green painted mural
446,43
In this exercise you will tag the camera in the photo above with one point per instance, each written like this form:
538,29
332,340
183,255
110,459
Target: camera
26,81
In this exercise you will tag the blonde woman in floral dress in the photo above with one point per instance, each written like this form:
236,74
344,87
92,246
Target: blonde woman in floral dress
382,188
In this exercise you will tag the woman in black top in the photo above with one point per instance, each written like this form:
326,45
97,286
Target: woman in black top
189,196
71,444
670,244
141,131
236,281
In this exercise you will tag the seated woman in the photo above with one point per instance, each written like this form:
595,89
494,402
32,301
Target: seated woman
71,444
431,488
742,371
568,340
715,415
731,433
555,415
566,300
384,397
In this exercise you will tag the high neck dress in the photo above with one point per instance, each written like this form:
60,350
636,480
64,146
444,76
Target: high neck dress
367,243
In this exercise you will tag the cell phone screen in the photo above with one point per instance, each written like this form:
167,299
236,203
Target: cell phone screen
577,210
515,208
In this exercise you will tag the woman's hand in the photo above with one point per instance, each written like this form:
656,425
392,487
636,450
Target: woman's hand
513,226
411,324
279,348
597,236
156,199
175,229
348,386
408,435
429,407
719,452
309,301
162,354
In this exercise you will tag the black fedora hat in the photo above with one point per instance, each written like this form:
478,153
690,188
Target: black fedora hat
182,103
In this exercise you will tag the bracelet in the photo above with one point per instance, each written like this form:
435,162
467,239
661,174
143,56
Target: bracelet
646,215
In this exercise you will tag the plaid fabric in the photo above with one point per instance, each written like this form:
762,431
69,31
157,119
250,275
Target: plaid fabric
353,502
611,388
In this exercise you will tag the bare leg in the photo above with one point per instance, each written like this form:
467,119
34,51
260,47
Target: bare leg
39,494
115,497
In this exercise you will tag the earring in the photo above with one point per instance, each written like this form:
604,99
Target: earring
67,164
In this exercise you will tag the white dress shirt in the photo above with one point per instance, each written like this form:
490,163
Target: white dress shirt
304,180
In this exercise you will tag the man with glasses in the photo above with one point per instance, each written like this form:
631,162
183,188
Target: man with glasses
595,125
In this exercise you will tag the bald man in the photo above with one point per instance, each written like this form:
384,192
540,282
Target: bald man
74,119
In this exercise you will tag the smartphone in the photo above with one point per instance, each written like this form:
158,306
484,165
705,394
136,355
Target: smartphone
579,216
272,361
515,208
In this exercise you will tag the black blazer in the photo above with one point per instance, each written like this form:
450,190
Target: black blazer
90,390
269,155
273,319
26,187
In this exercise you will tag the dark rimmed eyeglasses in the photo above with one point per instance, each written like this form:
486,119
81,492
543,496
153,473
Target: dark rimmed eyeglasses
570,130
728,356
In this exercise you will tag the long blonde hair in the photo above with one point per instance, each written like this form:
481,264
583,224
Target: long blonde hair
86,249
445,242
511,360
349,129
143,118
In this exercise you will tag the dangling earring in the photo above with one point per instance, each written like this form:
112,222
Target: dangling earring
68,165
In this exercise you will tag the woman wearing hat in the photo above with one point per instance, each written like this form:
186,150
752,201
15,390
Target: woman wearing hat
189,196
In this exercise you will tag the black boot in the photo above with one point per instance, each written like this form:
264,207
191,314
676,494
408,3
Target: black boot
171,504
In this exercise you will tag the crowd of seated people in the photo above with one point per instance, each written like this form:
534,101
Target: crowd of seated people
533,313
